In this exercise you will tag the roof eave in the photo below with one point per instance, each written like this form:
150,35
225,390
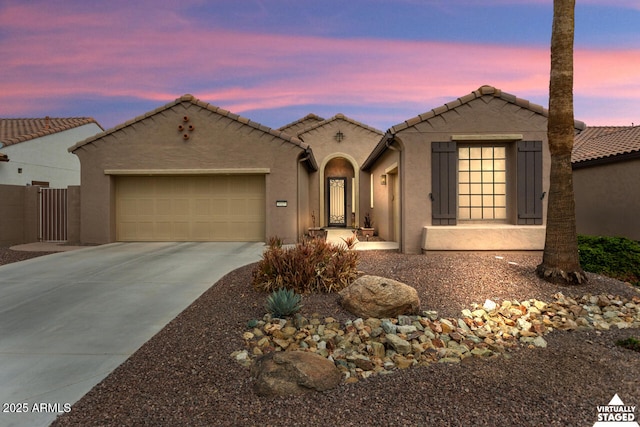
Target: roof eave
606,160
309,160
193,100
378,151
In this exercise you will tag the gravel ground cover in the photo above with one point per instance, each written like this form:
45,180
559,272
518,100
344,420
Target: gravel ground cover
8,256
185,375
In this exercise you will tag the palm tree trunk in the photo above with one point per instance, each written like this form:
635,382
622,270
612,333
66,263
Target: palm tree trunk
560,261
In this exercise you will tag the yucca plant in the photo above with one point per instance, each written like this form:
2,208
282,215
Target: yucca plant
283,303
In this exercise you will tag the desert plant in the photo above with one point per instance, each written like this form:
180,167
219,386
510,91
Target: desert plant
274,242
351,241
283,303
631,343
313,265
368,223
616,257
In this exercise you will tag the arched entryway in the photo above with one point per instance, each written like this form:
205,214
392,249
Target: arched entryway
339,198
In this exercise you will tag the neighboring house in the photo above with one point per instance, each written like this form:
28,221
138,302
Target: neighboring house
606,181
339,192
34,151
469,175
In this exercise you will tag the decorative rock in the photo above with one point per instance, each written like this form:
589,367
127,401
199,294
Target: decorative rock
540,342
360,348
398,344
377,349
481,352
293,372
406,329
447,326
402,362
373,296
430,314
388,327
489,305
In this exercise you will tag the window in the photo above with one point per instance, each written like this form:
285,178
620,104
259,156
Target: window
469,182
482,183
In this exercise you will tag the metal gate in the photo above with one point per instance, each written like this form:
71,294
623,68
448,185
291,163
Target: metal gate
53,215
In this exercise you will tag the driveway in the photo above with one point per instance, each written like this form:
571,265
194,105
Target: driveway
69,319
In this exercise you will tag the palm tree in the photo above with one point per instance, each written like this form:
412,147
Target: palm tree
560,261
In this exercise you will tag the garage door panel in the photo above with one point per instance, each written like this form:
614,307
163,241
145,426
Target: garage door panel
202,207
197,208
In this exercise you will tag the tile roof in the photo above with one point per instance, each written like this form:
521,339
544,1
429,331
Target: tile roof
482,91
341,116
605,142
14,131
387,139
188,98
301,124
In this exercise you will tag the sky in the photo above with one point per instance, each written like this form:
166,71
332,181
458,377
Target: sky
275,61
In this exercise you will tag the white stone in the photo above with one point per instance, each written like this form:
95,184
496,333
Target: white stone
489,305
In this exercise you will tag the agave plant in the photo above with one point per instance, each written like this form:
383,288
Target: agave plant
283,302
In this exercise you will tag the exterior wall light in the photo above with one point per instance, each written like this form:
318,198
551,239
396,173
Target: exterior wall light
383,179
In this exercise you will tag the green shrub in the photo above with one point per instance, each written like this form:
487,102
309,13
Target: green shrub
312,266
616,257
283,303
631,343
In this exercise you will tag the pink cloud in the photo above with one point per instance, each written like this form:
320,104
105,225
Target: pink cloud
107,53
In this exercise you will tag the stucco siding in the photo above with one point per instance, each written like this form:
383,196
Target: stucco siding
356,144
19,218
608,199
476,121
381,212
216,144
46,159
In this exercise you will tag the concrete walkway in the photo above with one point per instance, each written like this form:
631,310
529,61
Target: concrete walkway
69,319
338,236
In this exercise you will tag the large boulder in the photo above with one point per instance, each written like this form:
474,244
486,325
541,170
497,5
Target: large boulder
373,296
293,372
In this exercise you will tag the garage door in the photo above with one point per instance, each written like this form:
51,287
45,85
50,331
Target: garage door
191,208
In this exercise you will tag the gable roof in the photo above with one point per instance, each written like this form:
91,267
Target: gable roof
188,98
340,116
605,144
14,131
301,124
485,90
482,91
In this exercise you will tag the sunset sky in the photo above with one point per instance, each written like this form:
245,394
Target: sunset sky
275,61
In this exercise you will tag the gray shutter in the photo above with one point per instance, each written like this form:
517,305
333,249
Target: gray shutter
443,183
530,182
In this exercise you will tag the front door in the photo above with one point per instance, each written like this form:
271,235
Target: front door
337,202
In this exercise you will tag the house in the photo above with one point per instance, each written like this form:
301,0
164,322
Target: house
469,175
606,173
34,151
